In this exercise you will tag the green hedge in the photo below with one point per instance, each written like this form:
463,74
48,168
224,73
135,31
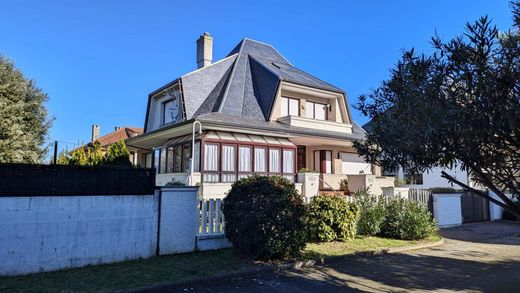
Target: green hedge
331,218
264,218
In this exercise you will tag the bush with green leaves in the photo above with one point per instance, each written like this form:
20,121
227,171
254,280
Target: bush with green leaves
372,213
331,218
264,218
408,220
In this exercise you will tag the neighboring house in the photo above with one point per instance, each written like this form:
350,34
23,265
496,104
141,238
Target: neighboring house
119,133
258,114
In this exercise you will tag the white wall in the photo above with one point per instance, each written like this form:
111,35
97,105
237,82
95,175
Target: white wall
44,233
179,220
432,178
447,209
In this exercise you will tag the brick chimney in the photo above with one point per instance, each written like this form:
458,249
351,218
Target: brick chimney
96,130
204,50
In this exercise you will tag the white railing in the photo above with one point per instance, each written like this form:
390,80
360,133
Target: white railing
211,218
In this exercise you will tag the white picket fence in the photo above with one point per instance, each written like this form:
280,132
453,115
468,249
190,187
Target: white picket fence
211,218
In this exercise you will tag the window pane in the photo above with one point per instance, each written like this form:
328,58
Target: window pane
169,165
196,160
320,111
244,159
284,106
178,159
288,161
260,160
168,112
162,167
228,158
157,160
309,109
210,157
186,155
293,107
274,161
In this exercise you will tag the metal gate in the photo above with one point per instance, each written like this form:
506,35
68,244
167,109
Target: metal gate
474,208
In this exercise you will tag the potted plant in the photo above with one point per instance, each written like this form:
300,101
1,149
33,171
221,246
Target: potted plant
344,185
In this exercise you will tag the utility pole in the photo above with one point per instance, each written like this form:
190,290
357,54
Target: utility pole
55,160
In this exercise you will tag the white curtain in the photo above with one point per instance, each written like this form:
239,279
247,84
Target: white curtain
244,159
293,107
210,157
228,158
274,161
260,160
285,107
288,161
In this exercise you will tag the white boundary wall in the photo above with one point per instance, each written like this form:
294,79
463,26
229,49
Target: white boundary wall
447,209
44,233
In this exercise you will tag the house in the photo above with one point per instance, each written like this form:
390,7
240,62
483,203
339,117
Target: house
119,133
253,111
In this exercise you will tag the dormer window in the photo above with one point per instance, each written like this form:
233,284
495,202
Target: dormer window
290,106
315,110
170,111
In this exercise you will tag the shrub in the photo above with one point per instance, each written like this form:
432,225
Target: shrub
408,220
331,218
264,218
175,183
372,213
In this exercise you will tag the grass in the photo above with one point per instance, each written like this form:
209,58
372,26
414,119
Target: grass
129,274
357,245
174,268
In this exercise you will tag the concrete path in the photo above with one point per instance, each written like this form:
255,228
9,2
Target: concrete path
475,257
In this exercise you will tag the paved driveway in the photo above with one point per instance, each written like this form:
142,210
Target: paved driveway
475,257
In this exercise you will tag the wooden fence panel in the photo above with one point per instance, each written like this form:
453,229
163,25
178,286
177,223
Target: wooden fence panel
423,196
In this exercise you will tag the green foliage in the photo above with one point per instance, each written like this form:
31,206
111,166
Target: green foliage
264,218
331,218
94,154
372,213
306,170
458,105
344,184
78,157
24,122
175,183
117,154
63,158
407,220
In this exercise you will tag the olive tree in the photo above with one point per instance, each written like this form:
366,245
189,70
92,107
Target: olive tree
458,105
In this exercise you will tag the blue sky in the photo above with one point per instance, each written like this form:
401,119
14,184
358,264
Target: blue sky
98,60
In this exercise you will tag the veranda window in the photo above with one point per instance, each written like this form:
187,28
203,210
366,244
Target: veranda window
244,161
288,164
211,163
316,110
274,160
230,156
260,160
228,163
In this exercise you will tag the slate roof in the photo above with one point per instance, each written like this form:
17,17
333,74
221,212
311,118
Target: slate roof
241,88
244,83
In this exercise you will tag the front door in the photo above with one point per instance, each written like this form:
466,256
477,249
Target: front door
323,161
301,158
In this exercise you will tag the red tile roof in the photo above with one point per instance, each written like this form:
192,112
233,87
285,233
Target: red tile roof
120,134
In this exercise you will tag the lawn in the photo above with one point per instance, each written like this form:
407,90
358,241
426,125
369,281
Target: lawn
174,268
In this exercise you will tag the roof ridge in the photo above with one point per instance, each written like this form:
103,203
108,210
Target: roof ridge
232,74
267,44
